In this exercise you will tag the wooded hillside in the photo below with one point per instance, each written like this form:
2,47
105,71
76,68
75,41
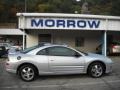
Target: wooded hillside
9,8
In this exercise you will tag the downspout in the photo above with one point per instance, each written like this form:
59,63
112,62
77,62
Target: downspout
22,26
105,38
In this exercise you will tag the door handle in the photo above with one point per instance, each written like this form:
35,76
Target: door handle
51,60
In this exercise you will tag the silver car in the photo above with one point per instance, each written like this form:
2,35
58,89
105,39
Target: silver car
51,59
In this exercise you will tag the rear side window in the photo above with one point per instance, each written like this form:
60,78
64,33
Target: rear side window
29,49
57,51
42,52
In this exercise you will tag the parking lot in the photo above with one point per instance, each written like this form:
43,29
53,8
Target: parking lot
64,82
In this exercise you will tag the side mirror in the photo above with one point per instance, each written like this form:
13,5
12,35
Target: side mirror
77,55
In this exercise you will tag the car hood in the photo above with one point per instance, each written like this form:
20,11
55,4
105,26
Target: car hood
97,56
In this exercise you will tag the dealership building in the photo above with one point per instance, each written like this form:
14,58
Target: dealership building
84,32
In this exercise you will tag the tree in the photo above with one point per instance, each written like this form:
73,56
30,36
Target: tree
9,8
115,8
102,7
58,6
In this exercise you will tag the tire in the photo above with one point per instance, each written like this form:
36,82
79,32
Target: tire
96,70
27,73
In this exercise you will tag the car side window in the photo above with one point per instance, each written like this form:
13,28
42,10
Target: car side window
61,51
42,52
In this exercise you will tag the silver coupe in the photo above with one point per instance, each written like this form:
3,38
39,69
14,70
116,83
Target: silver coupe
52,59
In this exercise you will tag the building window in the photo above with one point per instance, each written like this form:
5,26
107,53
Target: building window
45,38
79,41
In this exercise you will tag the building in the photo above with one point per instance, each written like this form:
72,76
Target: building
10,34
84,32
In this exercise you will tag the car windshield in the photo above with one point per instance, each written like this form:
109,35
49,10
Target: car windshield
29,49
83,52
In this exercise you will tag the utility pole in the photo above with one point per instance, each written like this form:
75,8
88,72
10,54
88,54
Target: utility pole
25,8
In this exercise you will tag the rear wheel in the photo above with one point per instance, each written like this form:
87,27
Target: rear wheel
27,72
96,70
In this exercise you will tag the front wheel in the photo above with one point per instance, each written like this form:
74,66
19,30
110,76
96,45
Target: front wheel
96,70
27,73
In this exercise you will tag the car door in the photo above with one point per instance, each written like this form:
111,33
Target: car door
63,60
41,60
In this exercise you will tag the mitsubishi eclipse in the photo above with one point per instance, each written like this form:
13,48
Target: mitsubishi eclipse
53,59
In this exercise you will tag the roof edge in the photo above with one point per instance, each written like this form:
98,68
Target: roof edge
67,15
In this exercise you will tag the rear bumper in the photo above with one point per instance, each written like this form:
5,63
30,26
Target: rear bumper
10,67
11,70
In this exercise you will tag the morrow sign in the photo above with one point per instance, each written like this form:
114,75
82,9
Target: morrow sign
64,23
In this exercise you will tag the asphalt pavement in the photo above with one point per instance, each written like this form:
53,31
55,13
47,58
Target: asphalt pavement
62,82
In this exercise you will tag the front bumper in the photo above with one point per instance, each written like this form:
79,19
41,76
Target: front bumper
109,68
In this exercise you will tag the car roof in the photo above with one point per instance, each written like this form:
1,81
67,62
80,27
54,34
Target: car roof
50,44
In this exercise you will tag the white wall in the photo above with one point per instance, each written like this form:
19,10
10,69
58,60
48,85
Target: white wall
11,32
92,38
31,40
